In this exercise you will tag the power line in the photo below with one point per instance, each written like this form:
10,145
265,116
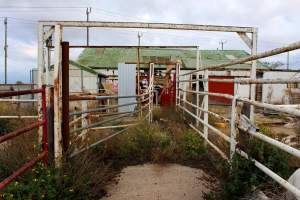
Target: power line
41,7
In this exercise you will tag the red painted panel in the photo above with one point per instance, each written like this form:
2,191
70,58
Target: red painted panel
168,95
224,88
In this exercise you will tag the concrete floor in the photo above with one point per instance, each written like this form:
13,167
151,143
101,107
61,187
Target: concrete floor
159,182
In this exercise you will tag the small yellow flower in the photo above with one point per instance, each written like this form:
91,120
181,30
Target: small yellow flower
71,190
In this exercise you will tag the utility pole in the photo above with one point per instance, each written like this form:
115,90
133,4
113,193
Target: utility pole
88,11
5,51
222,42
138,61
288,61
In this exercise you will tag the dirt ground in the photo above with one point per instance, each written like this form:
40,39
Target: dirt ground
159,182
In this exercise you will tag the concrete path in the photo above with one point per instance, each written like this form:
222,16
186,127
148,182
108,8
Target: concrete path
159,182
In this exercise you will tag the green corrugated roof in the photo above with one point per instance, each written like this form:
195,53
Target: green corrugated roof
110,57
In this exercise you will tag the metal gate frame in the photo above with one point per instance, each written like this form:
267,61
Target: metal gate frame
182,104
39,123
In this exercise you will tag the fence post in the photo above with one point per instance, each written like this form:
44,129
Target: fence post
45,124
65,96
84,120
58,146
205,106
151,79
197,85
253,75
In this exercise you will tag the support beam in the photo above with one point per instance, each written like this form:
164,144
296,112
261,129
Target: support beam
49,33
144,25
246,39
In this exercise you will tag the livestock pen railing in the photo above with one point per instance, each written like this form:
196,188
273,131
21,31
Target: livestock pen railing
41,122
139,107
201,112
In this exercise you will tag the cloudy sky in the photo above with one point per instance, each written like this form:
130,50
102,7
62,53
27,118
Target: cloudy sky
277,20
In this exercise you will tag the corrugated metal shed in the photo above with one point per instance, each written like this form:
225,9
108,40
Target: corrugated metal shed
109,58
127,86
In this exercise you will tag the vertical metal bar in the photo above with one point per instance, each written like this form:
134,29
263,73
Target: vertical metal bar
45,124
58,150
197,85
138,63
177,85
205,106
253,75
232,124
65,95
151,74
84,121
41,75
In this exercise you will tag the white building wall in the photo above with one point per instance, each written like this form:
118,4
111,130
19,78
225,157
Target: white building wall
90,81
277,93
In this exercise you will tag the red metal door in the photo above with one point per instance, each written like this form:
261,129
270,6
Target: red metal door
218,87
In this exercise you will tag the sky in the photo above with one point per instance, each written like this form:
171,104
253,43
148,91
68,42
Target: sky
277,22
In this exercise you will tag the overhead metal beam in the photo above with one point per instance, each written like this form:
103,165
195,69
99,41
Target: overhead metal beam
144,25
128,47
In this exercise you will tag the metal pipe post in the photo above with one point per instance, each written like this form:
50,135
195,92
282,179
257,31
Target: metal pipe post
45,124
205,105
253,75
65,95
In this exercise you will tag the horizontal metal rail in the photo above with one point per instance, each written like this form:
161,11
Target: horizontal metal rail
113,127
101,109
280,145
79,98
23,169
220,133
19,117
19,100
209,142
98,142
271,174
291,111
257,56
20,131
206,111
228,96
19,93
246,81
102,122
255,103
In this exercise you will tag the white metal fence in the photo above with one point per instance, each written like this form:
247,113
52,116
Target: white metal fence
201,110
107,114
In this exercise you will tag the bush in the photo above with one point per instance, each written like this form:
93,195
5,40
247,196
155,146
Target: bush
241,176
192,145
